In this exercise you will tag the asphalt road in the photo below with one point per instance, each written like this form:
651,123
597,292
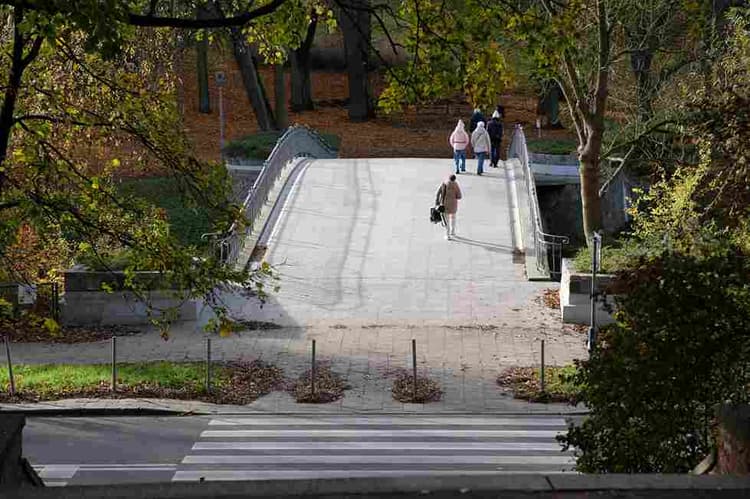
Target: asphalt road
106,450
101,450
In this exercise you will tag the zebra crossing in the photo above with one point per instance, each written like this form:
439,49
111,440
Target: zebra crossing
306,447
59,475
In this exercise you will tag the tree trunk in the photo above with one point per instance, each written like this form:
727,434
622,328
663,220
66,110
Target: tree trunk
19,63
254,89
590,158
592,119
640,61
356,27
301,69
204,103
279,85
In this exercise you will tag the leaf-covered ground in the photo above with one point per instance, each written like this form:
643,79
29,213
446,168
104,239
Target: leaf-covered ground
32,329
551,298
329,386
428,390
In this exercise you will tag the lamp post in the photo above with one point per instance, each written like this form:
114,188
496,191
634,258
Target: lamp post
595,265
221,81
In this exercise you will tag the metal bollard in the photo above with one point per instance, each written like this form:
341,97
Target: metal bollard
114,363
11,380
542,370
312,370
208,365
414,366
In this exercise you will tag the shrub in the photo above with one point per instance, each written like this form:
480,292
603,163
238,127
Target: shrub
187,223
259,145
679,347
618,255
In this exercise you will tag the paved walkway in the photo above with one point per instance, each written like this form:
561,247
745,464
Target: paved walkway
363,272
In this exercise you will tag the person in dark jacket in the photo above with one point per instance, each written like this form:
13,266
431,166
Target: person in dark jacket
501,111
495,129
476,117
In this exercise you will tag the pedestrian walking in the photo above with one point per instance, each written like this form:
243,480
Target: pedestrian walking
480,142
459,140
501,111
495,130
446,199
476,118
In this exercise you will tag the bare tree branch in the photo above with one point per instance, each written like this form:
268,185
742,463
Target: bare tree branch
224,22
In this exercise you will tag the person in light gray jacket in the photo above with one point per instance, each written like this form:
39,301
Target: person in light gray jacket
480,141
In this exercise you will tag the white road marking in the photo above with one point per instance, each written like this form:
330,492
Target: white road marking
333,446
57,471
380,420
375,459
366,433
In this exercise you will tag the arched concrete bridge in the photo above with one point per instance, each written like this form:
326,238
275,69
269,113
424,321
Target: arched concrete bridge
353,244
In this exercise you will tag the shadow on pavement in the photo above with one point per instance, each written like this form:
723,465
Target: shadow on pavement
498,248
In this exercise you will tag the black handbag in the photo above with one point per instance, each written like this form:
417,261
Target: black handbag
435,215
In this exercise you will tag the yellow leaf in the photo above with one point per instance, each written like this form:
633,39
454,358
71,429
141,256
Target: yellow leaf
51,326
225,328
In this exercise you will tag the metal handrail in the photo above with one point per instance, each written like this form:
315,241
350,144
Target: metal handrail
297,141
547,247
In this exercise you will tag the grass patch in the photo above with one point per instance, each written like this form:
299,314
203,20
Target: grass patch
235,383
552,146
50,380
524,382
259,145
187,223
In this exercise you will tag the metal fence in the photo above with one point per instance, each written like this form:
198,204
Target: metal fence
547,247
297,141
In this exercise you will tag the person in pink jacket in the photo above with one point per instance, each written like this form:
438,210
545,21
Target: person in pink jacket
459,140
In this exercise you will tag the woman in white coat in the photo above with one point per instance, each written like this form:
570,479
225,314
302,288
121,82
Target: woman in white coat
480,141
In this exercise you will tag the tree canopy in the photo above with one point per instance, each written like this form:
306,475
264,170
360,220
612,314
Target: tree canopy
88,88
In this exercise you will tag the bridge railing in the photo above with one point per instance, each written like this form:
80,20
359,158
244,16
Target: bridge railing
297,141
547,247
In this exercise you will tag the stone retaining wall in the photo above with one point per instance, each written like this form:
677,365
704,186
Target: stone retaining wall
86,303
575,296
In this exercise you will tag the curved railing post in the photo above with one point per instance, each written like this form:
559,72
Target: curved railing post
546,246
296,141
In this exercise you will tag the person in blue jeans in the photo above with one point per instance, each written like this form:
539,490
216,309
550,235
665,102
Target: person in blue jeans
459,140
480,142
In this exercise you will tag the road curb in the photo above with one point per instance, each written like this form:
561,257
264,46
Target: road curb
93,412
142,411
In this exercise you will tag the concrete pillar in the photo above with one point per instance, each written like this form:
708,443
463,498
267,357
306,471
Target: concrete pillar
733,439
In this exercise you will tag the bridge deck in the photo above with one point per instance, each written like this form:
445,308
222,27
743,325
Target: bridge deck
353,242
